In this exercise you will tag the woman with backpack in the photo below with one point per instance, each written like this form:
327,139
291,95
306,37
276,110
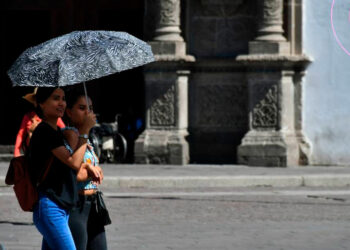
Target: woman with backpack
58,191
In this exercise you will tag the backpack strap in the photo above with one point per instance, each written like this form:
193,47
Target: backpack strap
46,171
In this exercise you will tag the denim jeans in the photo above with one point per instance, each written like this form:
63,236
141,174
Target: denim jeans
52,222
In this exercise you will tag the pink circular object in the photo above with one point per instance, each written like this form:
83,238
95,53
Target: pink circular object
335,33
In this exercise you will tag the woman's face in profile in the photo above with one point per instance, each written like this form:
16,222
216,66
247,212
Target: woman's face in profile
55,105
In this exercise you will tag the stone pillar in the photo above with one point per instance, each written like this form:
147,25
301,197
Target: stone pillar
166,89
275,136
167,20
304,143
270,20
270,39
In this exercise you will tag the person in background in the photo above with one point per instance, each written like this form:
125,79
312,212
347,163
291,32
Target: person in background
29,122
88,232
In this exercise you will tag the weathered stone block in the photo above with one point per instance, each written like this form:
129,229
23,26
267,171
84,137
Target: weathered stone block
162,147
257,47
174,48
269,148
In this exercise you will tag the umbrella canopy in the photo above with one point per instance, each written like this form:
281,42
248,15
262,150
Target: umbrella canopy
78,57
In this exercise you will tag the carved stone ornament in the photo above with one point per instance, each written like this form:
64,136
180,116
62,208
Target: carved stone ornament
169,12
272,10
164,12
165,15
270,20
163,109
265,112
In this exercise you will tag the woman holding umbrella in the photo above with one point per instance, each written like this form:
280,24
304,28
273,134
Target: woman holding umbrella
58,191
64,61
87,229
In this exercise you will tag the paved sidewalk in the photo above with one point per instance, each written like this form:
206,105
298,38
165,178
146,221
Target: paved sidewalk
192,176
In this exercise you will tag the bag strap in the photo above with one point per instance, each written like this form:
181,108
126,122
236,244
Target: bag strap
48,166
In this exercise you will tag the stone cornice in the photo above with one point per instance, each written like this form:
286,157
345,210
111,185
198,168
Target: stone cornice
174,58
275,61
171,63
241,64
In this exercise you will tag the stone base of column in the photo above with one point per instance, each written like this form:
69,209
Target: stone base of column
168,33
162,147
262,47
175,48
269,148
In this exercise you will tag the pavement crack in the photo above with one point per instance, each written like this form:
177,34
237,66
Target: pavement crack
232,200
16,223
326,198
144,197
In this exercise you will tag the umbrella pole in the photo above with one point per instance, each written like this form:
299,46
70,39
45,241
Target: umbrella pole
86,97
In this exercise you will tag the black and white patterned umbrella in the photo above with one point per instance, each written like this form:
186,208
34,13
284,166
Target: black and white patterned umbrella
78,57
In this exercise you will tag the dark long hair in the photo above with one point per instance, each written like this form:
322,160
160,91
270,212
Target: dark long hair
41,96
72,96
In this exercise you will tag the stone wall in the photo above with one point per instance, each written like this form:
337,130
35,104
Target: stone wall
220,28
326,85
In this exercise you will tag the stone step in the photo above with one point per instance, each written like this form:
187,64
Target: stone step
6,149
6,152
5,157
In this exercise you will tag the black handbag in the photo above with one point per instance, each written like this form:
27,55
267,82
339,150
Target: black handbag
102,214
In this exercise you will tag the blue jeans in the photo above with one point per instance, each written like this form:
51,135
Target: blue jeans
52,222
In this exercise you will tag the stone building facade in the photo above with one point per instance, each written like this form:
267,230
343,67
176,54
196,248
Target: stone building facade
226,87
233,81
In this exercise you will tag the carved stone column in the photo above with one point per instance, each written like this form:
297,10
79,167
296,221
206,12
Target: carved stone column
270,39
167,20
166,89
270,20
163,19
304,143
163,141
274,76
275,137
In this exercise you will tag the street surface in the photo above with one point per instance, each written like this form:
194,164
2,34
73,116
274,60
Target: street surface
207,218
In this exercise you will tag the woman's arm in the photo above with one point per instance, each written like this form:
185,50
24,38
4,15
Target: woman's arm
20,136
73,161
72,137
86,170
82,174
